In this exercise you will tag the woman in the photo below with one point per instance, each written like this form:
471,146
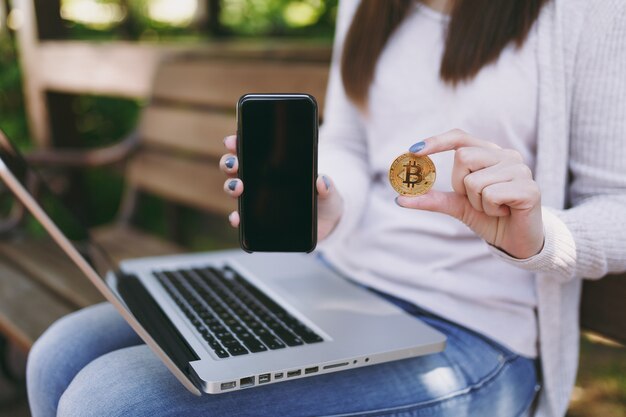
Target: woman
528,202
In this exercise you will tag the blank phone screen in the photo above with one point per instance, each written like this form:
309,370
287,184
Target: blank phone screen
277,139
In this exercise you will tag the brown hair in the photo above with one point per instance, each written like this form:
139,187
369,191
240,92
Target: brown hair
478,31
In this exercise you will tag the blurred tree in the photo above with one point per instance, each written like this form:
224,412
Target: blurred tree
195,19
12,113
279,17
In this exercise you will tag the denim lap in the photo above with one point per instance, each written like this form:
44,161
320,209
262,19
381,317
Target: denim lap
471,377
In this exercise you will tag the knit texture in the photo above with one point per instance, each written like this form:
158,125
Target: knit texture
582,114
580,168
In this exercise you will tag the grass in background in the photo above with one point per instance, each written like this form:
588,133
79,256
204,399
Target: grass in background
601,384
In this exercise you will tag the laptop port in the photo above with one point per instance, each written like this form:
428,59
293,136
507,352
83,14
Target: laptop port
264,378
336,365
246,382
311,370
228,385
293,373
278,375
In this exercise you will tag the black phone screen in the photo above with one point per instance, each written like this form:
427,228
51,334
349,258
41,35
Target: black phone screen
277,147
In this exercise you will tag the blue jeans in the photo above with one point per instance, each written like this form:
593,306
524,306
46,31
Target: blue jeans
91,363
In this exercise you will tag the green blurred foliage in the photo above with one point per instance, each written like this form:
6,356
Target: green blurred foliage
12,112
280,17
238,18
104,120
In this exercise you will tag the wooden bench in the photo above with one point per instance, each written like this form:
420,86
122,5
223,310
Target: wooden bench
603,307
173,155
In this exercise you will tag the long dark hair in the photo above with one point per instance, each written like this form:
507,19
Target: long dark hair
477,33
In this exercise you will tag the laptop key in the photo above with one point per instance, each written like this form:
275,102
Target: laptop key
221,353
254,345
310,337
216,326
290,339
212,321
237,350
213,343
253,324
230,343
272,343
222,334
231,322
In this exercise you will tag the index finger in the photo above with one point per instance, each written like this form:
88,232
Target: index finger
450,141
231,143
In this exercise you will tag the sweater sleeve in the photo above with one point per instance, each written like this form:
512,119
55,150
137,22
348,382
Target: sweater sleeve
343,154
589,239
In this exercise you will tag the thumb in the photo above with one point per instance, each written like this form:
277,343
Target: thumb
449,203
324,187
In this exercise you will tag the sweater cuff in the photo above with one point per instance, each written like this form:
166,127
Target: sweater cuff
558,255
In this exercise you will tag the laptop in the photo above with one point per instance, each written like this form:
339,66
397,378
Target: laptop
229,320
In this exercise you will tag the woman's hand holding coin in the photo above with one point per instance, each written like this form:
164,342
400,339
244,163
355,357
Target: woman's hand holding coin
494,193
329,203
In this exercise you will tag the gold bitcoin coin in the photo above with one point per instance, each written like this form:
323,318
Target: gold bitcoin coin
412,175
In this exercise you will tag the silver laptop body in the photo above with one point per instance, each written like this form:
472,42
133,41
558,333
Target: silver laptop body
330,324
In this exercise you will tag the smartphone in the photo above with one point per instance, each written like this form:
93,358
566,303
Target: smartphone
277,151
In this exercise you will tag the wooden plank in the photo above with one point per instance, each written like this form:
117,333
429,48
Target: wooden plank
47,264
126,69
220,83
603,307
124,242
195,131
32,73
112,69
122,68
3,18
26,308
196,183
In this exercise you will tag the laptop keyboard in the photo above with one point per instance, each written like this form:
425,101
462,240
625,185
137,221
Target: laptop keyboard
233,316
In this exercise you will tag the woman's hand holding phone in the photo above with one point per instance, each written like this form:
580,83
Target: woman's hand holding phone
329,205
494,193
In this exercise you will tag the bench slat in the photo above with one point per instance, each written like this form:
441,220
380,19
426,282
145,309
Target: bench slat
194,131
220,83
603,307
196,183
46,263
39,285
26,308
125,242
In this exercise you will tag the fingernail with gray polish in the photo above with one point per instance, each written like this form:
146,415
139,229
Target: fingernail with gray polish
230,162
417,147
232,185
326,182
396,200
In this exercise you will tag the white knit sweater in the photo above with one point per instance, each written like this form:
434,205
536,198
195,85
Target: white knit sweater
580,168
